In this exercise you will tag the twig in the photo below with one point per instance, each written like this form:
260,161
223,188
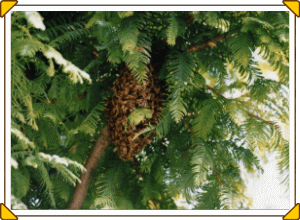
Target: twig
268,122
138,169
215,91
249,113
211,43
217,175
191,130
154,203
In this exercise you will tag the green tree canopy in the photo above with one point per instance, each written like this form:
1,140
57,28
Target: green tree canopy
225,80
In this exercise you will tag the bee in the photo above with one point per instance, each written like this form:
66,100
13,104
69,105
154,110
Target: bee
124,108
152,96
130,139
151,69
126,91
123,145
156,90
139,87
130,97
139,101
124,150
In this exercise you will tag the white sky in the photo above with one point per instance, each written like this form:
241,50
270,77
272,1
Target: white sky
266,191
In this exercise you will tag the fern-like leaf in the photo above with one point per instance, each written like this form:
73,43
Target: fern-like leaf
205,120
172,30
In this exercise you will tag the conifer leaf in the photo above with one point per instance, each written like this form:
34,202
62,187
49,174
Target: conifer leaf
172,30
14,163
181,69
96,17
198,81
177,108
76,74
241,47
35,19
115,54
138,115
51,70
20,177
212,18
125,14
128,34
22,137
205,120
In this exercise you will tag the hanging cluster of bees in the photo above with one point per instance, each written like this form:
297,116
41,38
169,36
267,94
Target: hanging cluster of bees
129,95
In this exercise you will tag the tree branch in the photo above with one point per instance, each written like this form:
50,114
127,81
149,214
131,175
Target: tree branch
90,164
215,91
217,175
249,113
211,43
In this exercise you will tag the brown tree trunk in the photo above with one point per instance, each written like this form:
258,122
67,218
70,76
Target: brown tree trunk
90,164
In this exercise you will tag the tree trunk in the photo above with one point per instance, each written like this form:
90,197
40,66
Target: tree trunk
90,164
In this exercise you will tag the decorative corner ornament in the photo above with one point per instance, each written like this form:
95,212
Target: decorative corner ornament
5,213
293,214
293,5
6,6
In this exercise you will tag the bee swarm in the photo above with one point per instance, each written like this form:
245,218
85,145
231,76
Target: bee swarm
129,94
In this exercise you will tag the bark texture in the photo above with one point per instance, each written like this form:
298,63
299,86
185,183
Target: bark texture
90,164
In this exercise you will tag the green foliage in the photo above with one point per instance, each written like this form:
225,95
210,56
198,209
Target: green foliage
241,49
180,73
172,30
223,109
211,18
138,115
20,182
204,121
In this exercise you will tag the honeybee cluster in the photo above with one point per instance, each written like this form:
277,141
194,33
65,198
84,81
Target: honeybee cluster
129,94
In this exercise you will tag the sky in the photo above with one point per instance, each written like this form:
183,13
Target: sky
266,191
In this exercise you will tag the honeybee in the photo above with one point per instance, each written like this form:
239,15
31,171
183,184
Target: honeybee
156,90
123,145
139,101
152,96
130,139
143,94
151,69
124,108
139,87
130,97
126,91
124,150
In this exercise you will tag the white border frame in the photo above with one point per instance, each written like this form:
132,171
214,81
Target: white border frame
151,212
